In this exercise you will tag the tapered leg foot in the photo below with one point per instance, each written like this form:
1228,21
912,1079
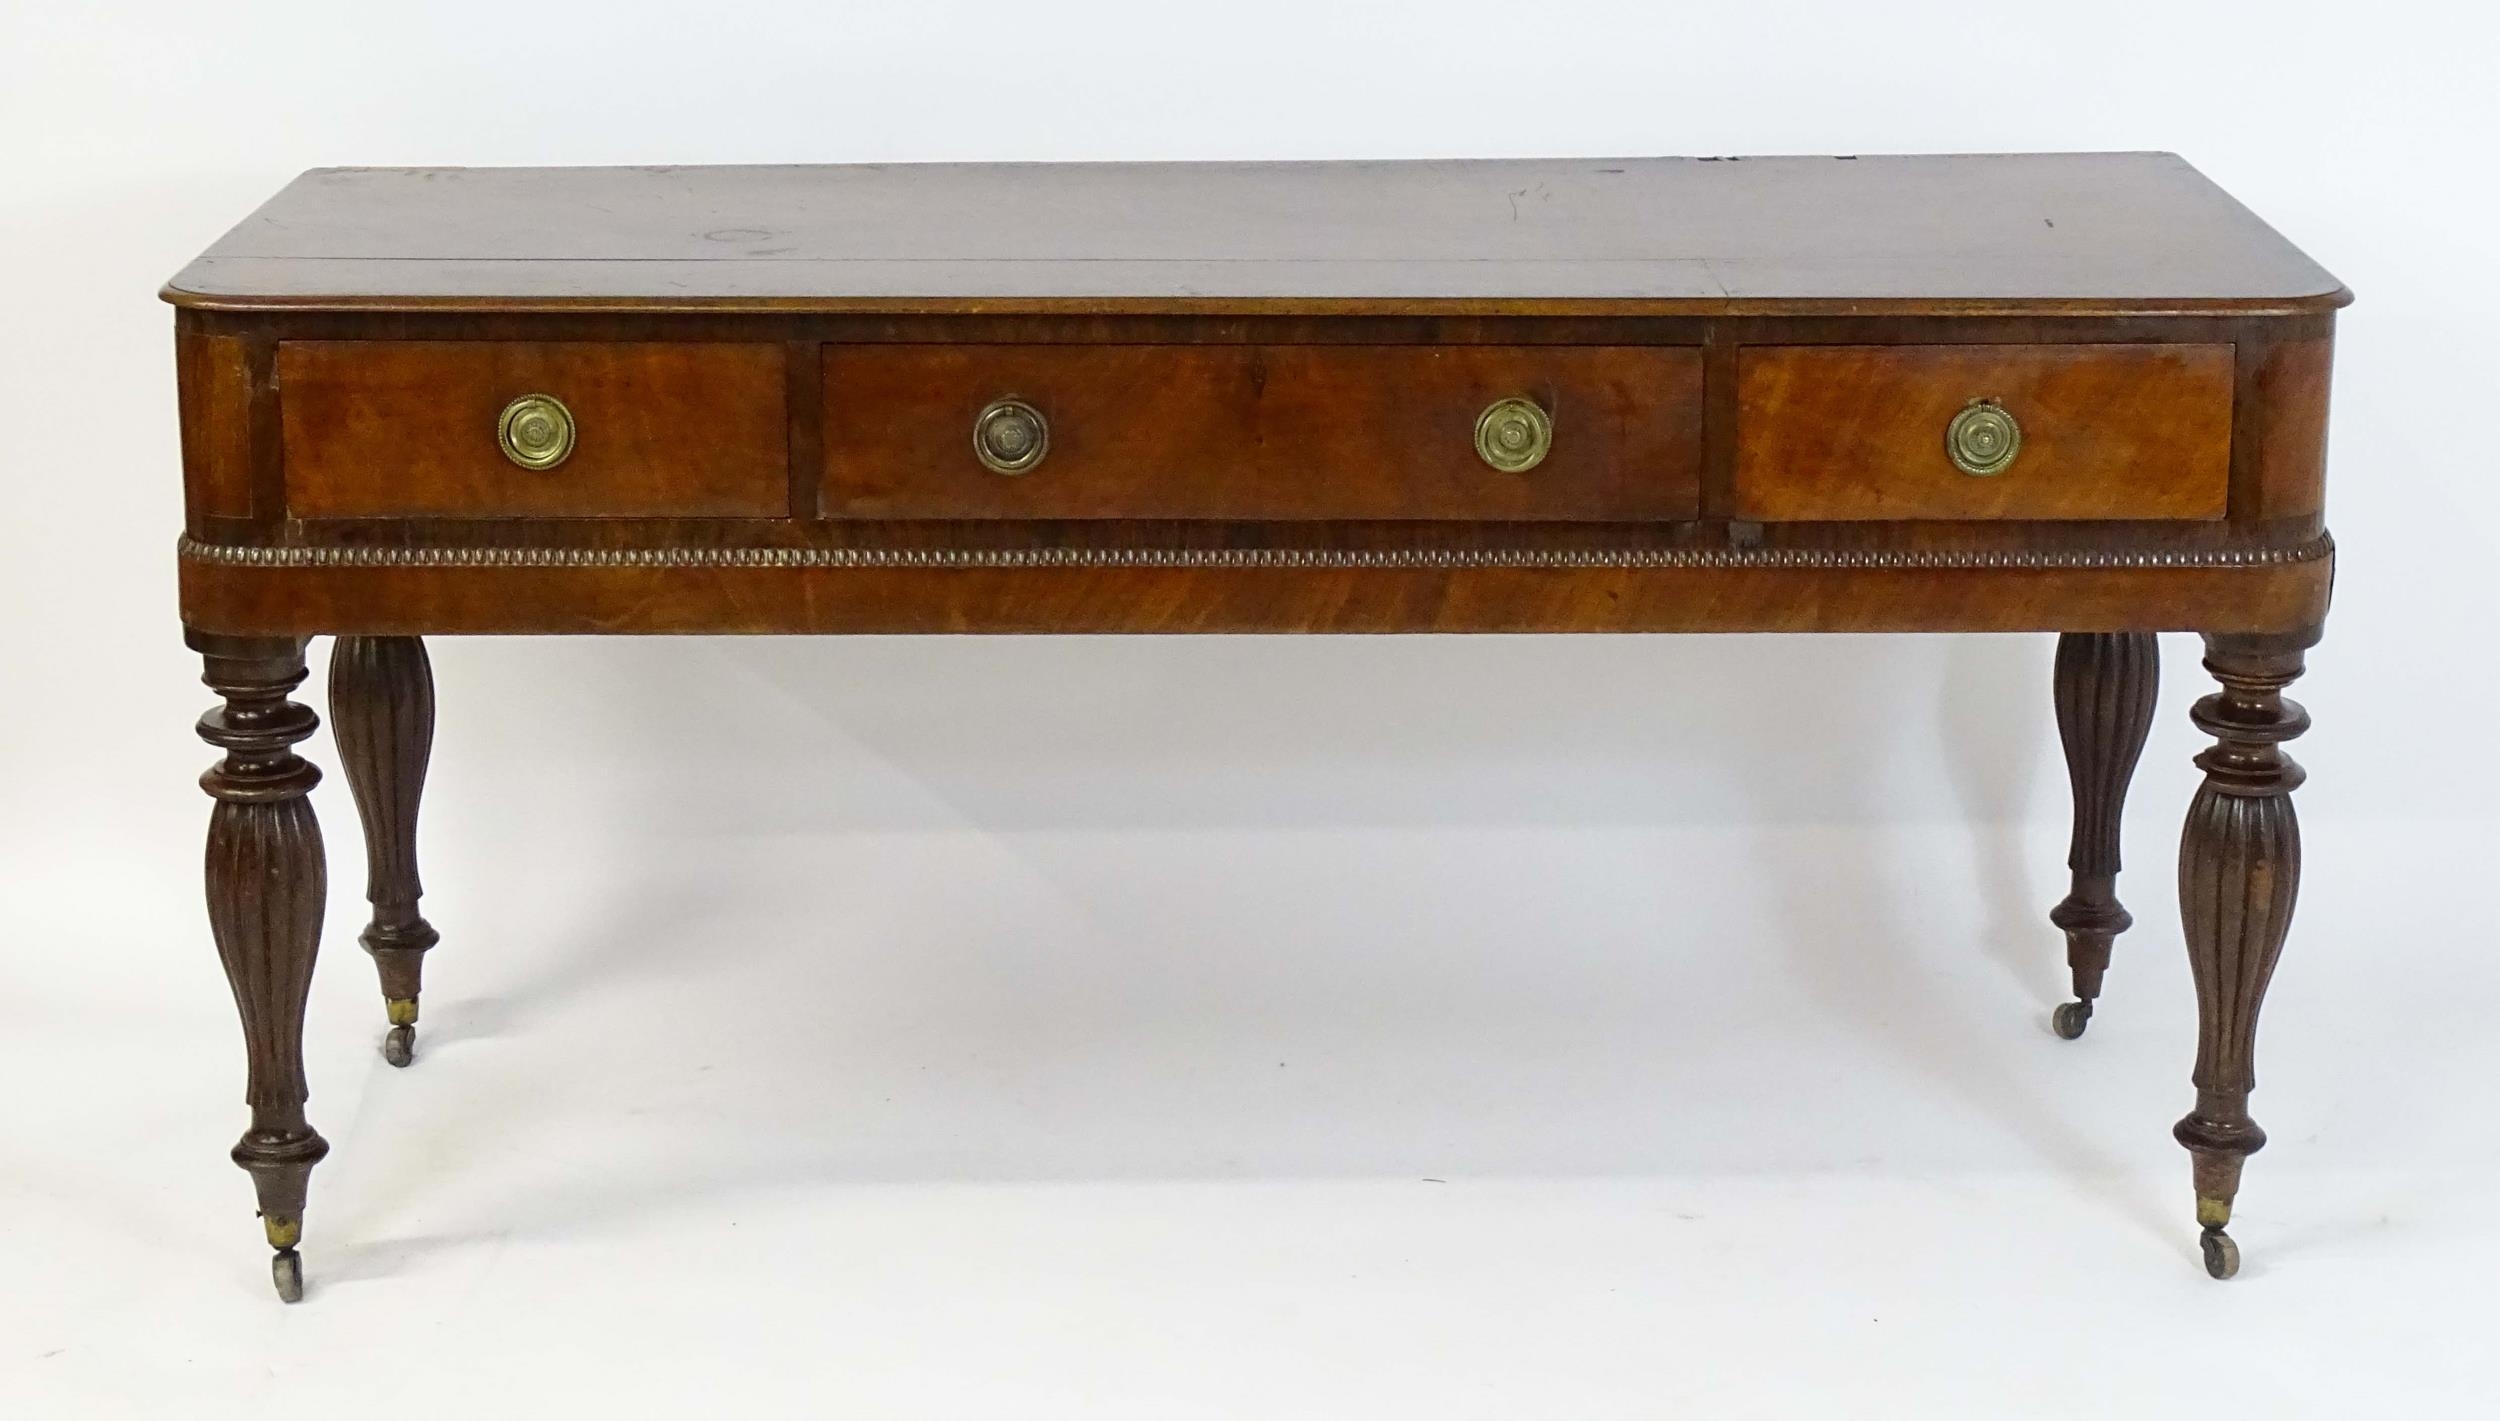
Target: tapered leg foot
2105,684
2239,875
2220,1171
284,1231
382,716
266,885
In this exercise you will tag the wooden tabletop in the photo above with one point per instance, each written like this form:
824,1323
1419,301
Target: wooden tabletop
2083,233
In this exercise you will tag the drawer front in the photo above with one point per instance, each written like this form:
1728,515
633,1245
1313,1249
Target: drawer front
1262,432
1862,432
409,429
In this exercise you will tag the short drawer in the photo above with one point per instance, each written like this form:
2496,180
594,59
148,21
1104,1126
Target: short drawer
408,429
1263,432
1873,432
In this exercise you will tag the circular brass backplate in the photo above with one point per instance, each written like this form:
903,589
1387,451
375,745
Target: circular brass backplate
1983,439
1010,436
1513,435
536,432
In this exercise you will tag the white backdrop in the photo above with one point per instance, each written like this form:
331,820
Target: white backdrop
1258,1027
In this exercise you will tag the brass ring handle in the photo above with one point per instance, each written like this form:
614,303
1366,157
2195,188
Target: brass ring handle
1010,436
536,432
1513,435
1983,439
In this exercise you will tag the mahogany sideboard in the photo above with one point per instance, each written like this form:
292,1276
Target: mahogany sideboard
2079,393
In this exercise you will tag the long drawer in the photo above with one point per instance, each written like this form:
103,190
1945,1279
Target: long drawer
1262,432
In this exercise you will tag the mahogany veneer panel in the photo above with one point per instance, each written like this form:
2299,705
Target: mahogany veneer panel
215,375
400,429
2108,432
2287,389
1262,432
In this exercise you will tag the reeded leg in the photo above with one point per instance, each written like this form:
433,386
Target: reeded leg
2105,683
266,883
382,715
2239,872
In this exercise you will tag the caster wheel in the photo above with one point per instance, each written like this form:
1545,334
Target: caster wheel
2222,1256
287,1271
400,1046
2070,1018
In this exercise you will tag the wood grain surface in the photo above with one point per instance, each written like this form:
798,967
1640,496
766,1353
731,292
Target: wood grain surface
2108,432
1262,432
407,429
2088,231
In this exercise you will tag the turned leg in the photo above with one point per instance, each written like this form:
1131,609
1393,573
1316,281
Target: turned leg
382,716
266,883
2105,683
2239,872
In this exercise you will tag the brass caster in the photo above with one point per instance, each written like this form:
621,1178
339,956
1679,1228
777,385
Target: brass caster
286,1269
2070,1018
2222,1256
400,1046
